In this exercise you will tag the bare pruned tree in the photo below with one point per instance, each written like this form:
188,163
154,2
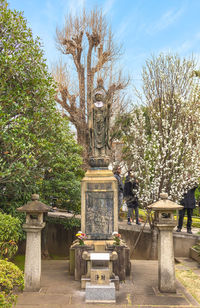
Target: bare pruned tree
88,41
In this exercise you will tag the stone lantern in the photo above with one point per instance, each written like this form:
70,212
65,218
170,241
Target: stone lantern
165,222
34,224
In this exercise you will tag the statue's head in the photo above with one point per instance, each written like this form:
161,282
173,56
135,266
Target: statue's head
99,95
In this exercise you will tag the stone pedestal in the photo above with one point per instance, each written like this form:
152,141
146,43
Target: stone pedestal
164,221
99,219
79,266
99,204
166,270
100,293
34,224
32,271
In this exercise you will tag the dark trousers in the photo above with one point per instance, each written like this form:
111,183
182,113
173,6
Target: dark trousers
189,218
130,213
120,201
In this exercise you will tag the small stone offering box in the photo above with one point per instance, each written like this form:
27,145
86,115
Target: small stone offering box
100,276
100,289
99,199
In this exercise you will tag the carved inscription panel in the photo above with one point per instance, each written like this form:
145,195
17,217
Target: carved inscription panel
99,212
99,186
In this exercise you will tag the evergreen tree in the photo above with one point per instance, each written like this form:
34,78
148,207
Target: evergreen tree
34,138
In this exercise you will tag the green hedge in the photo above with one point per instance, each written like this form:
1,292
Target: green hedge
11,279
195,220
10,234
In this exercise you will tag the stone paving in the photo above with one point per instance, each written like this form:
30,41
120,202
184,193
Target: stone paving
59,290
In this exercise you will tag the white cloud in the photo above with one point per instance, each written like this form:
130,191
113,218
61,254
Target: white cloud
188,45
108,5
73,6
76,6
122,29
130,26
167,19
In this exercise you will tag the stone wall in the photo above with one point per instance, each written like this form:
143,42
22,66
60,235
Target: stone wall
143,248
182,242
59,241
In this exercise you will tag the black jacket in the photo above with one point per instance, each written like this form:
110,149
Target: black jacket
130,188
188,200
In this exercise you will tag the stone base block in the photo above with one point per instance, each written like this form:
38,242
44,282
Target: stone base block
100,293
100,276
85,279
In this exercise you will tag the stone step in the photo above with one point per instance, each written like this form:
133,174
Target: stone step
100,293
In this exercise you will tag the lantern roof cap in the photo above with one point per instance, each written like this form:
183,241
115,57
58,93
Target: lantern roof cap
34,206
165,204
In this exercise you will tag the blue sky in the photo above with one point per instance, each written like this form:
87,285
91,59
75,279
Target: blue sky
144,27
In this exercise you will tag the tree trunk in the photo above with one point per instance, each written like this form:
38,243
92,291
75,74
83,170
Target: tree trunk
83,140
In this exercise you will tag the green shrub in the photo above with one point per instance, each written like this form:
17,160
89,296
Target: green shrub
11,280
10,233
19,261
196,211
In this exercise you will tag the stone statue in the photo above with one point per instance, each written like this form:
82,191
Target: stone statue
99,127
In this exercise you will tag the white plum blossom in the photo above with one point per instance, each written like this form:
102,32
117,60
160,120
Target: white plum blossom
163,142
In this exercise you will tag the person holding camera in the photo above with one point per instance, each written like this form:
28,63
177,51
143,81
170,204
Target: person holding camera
130,195
189,203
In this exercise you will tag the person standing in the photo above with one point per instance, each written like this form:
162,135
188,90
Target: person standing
117,175
130,194
189,204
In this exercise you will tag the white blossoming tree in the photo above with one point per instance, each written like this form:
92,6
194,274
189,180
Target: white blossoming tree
162,142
